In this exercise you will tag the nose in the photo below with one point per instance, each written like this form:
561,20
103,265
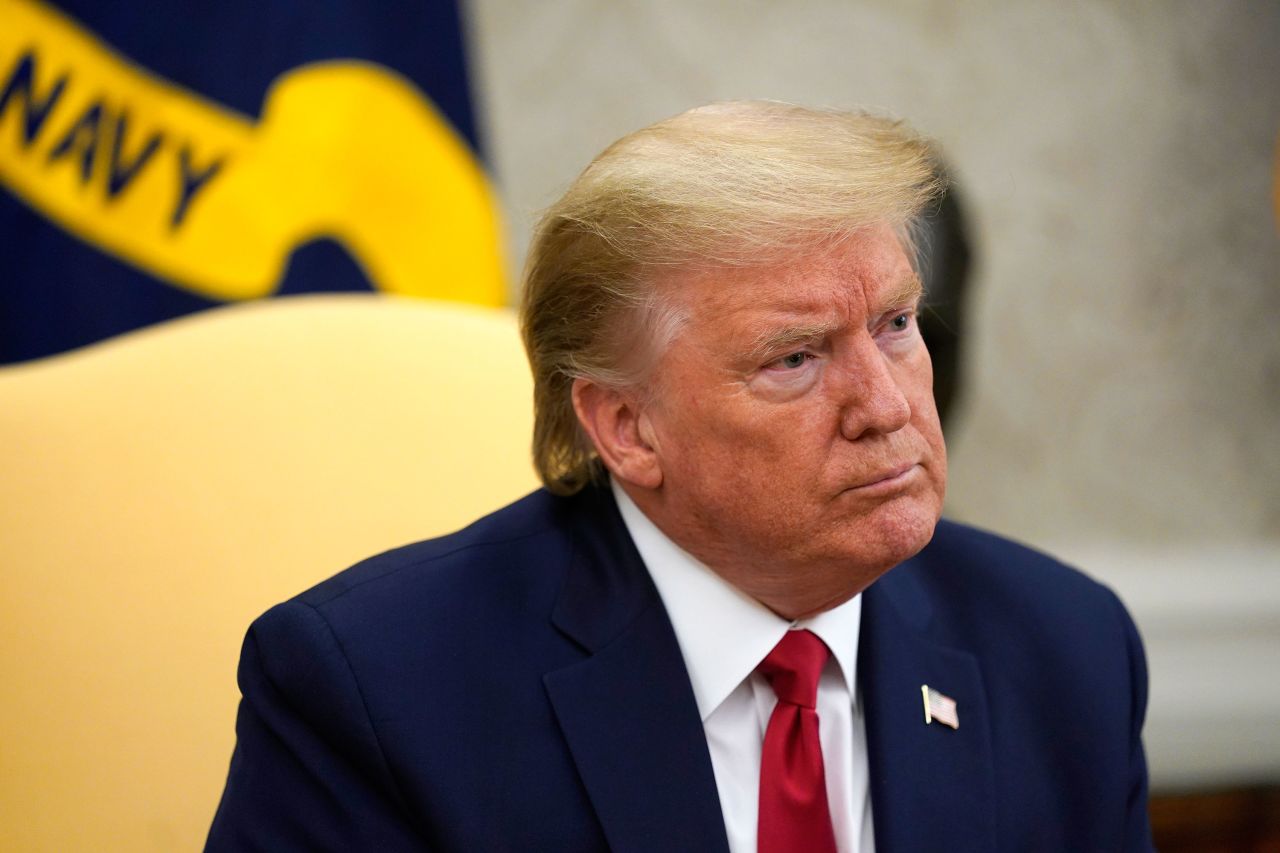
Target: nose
871,400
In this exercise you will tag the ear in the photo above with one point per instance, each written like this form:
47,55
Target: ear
620,431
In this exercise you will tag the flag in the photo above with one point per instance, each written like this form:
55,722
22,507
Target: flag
157,159
940,707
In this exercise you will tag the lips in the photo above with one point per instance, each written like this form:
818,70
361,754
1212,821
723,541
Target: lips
888,477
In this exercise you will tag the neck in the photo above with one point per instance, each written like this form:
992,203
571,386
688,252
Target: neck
792,588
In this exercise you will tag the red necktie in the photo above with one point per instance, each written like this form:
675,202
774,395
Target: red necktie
794,816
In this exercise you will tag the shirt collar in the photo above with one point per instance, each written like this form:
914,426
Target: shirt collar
723,632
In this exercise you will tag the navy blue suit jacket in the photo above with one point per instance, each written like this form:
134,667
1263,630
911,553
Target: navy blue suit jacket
518,686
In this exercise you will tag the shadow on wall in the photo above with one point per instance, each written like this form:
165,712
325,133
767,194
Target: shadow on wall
945,265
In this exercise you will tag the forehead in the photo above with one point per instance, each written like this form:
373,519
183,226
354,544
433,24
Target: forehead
854,279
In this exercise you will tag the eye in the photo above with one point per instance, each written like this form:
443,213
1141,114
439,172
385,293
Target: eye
901,322
793,360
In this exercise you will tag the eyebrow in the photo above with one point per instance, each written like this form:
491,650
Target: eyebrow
773,340
907,291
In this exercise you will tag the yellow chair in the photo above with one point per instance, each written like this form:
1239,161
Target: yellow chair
160,490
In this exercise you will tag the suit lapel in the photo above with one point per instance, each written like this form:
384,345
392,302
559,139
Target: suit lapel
627,711
931,787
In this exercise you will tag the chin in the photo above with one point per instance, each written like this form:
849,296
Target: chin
896,533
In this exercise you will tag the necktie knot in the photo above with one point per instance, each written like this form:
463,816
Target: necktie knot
794,666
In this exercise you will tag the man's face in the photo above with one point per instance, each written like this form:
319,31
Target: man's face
793,421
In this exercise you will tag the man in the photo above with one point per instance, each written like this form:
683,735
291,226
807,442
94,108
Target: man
732,620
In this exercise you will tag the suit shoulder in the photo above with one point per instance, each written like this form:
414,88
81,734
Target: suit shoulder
1036,623
981,579
971,550
509,537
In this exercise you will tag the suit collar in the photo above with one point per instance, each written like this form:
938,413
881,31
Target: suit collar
931,786
607,585
627,711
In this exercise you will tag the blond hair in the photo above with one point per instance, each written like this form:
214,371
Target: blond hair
732,184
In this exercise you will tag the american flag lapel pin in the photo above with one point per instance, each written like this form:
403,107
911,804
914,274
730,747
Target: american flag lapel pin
939,707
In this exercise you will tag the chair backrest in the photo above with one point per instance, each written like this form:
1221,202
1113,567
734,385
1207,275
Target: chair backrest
160,490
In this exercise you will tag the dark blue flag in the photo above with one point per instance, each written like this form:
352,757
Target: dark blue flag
157,158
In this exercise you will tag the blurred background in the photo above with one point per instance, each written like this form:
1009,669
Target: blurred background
1106,273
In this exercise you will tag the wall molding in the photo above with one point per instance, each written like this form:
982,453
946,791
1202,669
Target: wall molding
1209,615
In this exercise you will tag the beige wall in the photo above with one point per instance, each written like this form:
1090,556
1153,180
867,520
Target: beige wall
1124,363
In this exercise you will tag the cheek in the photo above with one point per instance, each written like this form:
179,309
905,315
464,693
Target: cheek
924,414
918,387
723,456
691,445
925,418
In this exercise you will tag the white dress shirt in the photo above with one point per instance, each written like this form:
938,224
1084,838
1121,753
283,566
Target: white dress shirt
723,635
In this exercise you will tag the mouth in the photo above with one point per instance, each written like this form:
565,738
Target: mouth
888,481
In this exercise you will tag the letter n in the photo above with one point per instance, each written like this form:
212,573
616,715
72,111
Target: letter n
21,85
